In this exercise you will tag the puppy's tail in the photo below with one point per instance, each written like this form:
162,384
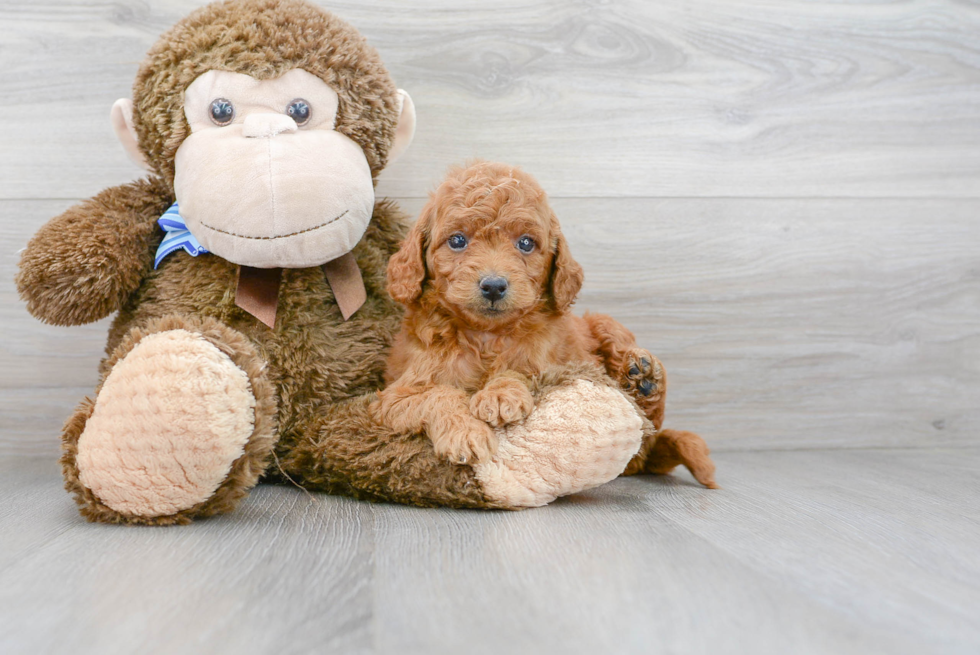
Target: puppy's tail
663,451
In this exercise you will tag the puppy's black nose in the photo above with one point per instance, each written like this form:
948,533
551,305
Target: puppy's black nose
493,288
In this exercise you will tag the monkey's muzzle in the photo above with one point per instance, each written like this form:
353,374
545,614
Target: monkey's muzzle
263,193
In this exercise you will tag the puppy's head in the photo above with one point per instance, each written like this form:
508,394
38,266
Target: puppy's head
488,248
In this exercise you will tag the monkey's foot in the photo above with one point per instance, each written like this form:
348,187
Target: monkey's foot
579,436
172,434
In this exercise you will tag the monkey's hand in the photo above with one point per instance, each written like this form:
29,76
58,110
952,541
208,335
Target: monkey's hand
82,265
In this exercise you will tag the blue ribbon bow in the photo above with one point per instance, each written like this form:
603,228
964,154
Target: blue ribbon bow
177,236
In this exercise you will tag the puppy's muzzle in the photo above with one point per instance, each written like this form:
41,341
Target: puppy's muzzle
493,287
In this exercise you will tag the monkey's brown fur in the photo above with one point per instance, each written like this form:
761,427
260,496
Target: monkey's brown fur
263,39
462,363
314,375
97,257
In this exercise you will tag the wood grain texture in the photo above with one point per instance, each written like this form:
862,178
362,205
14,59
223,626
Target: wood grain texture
779,197
286,573
801,552
782,323
770,564
754,98
804,323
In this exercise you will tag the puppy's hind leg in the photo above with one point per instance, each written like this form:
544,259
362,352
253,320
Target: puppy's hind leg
635,369
642,375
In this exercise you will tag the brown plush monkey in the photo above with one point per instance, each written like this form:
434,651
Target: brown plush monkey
251,335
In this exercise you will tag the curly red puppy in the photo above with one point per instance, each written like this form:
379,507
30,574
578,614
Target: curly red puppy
488,281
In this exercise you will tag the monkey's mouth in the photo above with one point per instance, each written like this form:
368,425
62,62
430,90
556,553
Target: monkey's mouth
278,236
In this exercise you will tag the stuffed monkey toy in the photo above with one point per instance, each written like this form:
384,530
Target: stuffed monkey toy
247,275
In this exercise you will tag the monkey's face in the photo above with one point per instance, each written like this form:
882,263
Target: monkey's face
264,179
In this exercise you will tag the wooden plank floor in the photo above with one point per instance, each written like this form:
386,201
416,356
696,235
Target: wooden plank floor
837,552
780,197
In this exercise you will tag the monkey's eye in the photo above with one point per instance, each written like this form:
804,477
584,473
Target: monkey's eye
457,242
221,111
525,244
299,110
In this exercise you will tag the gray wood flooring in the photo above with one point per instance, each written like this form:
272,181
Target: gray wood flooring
780,197
859,551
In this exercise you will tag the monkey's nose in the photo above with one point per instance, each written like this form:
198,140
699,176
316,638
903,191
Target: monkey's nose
267,125
493,288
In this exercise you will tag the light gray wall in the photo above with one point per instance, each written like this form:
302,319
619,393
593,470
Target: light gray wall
782,199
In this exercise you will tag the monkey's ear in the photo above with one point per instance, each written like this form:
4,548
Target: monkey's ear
406,126
122,123
567,275
406,268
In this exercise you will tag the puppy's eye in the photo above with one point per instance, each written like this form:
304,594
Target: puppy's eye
525,244
456,242
221,111
300,111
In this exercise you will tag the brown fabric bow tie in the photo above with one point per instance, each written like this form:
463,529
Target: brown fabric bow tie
258,288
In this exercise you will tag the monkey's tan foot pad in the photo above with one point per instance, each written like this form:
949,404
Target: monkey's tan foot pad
579,436
169,421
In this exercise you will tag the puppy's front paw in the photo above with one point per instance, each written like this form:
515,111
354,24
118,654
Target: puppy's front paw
643,374
502,401
463,440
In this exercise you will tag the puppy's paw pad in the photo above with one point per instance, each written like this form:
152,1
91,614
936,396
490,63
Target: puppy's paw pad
643,374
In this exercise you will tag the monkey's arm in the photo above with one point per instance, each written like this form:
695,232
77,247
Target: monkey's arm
82,265
344,448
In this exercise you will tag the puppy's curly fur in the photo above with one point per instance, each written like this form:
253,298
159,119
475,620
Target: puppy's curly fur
488,281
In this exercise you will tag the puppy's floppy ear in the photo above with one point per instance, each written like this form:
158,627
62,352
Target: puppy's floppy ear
406,268
566,273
